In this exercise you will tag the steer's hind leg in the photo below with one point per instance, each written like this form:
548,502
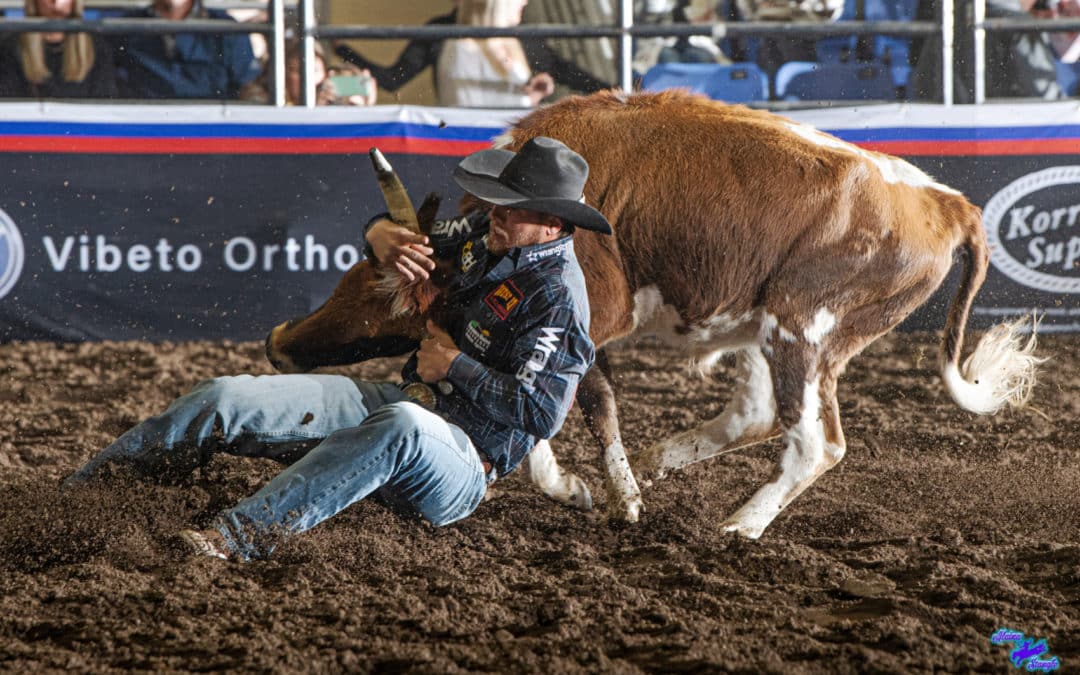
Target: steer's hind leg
597,400
813,440
750,417
563,487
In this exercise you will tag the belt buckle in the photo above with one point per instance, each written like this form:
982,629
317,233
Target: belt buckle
421,393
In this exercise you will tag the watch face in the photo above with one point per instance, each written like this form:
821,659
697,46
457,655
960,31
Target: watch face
421,393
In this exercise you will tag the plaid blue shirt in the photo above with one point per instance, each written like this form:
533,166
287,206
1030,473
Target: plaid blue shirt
521,322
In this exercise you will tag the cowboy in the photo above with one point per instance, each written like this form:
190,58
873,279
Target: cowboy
505,368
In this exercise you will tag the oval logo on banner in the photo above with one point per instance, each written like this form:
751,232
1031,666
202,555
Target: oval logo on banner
1033,228
11,254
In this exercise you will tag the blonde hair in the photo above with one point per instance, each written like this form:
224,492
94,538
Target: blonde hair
78,57
499,13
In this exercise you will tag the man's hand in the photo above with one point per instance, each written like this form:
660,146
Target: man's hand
540,87
401,247
436,354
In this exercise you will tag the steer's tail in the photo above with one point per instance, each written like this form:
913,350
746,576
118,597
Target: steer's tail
1002,369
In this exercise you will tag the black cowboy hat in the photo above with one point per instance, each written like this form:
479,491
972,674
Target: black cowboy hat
544,175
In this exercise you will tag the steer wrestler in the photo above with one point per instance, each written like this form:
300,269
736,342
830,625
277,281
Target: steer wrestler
513,354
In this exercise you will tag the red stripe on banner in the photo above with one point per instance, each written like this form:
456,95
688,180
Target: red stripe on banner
427,146
1055,146
237,146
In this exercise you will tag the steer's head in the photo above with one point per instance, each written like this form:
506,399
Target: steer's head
374,311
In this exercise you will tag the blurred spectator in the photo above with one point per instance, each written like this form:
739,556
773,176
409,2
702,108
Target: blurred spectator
184,65
693,49
772,52
1066,45
790,10
56,65
1018,65
420,54
489,72
332,86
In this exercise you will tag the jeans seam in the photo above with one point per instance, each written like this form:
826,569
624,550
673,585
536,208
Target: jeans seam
268,434
322,496
318,499
453,446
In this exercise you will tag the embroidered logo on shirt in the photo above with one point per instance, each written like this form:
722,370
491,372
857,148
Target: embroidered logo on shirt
533,256
478,337
504,299
467,257
452,227
545,346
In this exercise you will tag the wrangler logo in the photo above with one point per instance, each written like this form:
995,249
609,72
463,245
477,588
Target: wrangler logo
504,299
545,345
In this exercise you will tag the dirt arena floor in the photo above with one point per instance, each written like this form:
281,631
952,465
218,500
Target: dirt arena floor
937,529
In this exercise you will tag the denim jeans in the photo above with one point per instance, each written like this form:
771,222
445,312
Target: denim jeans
342,439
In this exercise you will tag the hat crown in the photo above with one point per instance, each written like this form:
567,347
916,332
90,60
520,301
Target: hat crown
545,168
544,175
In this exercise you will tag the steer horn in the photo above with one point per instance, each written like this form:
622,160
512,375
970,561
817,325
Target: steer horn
397,198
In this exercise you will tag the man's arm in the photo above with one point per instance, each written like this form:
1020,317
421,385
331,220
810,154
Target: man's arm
417,55
412,61
544,59
240,62
553,354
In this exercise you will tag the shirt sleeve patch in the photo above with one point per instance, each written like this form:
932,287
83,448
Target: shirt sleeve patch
504,299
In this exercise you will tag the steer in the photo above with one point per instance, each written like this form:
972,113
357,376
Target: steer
735,230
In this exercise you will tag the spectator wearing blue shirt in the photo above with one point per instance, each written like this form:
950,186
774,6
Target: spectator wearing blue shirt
184,65
476,396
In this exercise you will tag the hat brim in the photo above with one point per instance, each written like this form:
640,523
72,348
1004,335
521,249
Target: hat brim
478,174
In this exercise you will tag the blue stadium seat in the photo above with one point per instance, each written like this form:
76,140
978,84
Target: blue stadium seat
810,81
1068,77
886,48
733,83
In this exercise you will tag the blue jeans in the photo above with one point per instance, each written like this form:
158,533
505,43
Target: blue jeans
342,439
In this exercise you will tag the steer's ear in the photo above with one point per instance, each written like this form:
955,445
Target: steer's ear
427,292
425,215
470,203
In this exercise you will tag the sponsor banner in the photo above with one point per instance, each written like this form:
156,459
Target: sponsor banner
213,222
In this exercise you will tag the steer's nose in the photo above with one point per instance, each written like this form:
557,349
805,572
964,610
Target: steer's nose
279,360
269,349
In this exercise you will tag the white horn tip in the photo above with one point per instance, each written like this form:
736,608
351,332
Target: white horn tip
377,158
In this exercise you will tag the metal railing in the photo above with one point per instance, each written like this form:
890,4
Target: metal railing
308,31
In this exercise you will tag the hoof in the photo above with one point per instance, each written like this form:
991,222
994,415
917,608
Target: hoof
626,513
572,492
743,530
580,497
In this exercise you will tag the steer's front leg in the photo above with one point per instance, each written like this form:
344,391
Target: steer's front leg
563,487
597,399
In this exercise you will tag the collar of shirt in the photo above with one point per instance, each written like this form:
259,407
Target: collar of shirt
528,256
